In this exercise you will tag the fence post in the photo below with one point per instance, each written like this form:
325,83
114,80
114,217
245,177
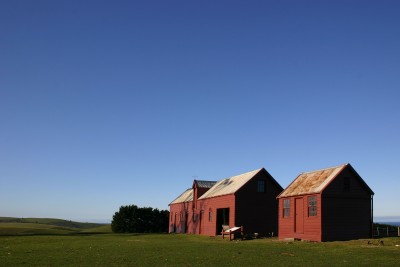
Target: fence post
377,230
387,231
398,231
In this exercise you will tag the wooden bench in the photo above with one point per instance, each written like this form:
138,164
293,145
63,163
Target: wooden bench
231,231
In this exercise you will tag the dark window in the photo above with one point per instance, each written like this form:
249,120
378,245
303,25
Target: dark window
312,206
260,186
286,207
210,215
346,184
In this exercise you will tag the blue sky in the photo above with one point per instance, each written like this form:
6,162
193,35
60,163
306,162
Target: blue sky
109,103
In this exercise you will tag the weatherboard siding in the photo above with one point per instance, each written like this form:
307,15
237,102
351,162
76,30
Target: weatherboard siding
346,219
256,211
212,204
311,224
356,189
343,211
197,193
348,212
285,229
176,220
198,219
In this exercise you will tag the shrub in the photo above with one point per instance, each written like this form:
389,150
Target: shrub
132,219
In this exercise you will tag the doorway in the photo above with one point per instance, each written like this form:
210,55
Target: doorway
222,219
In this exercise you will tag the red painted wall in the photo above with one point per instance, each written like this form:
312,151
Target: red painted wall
197,193
177,219
200,215
311,224
209,227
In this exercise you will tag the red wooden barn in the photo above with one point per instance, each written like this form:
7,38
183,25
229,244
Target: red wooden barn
326,205
247,200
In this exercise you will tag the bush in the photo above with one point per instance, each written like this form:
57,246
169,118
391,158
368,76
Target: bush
132,219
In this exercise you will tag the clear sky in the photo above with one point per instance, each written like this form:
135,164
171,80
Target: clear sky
110,103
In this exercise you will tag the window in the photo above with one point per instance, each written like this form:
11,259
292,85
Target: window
346,184
172,215
210,215
312,206
260,186
286,207
180,216
195,217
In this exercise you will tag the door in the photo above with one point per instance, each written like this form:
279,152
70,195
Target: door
299,223
222,219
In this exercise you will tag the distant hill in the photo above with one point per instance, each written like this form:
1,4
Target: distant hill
18,226
387,223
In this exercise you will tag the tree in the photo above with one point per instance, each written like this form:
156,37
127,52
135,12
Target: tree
132,219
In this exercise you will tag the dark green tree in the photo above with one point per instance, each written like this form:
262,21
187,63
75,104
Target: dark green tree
132,219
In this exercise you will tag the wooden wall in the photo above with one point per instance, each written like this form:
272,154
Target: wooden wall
347,213
311,224
258,212
177,219
343,212
209,227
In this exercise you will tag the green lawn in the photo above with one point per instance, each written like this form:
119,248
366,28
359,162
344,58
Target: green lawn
189,250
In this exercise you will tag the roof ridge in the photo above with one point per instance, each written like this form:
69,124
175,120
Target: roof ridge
324,169
241,174
230,185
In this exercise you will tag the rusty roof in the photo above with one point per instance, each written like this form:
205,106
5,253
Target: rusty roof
184,197
229,185
312,182
204,184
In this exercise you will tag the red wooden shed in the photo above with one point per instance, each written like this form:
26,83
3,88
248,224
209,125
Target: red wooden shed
247,200
326,205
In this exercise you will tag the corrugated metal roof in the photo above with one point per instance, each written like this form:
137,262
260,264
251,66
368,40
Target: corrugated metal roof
204,184
184,197
312,182
229,185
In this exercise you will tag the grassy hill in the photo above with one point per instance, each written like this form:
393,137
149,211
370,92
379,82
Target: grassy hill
31,226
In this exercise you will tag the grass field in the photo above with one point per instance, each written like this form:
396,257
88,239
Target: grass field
50,221
189,250
54,242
